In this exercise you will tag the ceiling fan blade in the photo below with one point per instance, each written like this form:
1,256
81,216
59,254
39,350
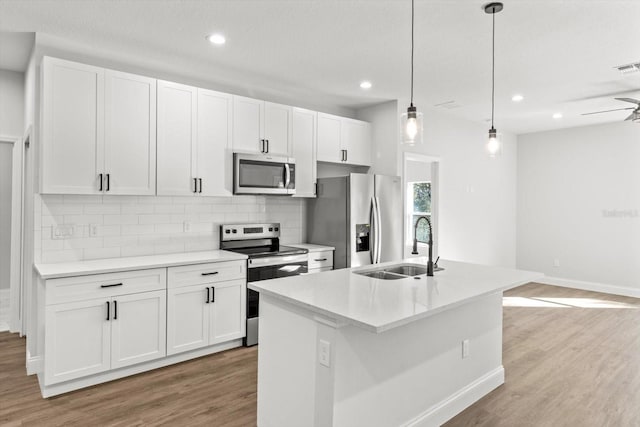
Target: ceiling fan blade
631,100
607,111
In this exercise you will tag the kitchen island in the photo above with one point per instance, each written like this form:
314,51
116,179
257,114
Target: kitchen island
342,349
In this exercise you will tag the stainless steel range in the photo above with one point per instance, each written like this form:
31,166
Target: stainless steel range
267,260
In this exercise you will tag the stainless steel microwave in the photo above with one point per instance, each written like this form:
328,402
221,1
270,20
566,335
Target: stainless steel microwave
263,174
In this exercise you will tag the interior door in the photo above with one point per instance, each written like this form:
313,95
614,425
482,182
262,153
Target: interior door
138,328
388,191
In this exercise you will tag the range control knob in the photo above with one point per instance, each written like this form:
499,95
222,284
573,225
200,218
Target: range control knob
235,231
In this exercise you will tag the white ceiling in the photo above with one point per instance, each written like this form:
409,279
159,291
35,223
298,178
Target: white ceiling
559,54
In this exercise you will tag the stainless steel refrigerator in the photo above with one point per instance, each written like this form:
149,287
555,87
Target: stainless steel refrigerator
361,216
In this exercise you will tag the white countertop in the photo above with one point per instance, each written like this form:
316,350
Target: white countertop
111,265
378,305
313,248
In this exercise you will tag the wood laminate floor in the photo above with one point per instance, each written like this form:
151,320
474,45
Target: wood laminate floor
572,358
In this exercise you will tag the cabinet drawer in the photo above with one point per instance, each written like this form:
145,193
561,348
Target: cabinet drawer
189,275
319,270
83,288
320,259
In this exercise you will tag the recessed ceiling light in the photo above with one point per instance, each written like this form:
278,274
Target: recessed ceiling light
557,116
517,98
216,39
365,85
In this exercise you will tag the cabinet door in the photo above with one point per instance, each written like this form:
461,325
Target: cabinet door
130,133
77,340
215,160
177,117
247,124
138,328
356,139
277,128
187,318
228,311
304,151
329,148
72,128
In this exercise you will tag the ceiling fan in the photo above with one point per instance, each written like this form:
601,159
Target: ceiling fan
635,114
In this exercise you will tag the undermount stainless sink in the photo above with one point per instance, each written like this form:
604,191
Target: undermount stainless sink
395,272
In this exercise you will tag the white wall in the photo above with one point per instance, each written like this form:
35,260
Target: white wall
477,194
579,203
11,103
384,131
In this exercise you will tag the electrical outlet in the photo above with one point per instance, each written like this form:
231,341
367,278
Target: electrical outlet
93,230
64,231
324,353
187,226
556,262
465,349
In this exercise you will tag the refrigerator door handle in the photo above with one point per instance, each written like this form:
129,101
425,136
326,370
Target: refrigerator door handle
372,231
378,231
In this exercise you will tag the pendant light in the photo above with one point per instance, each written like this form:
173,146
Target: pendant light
494,146
412,119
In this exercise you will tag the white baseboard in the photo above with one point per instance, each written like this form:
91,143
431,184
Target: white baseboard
33,364
590,286
448,408
55,389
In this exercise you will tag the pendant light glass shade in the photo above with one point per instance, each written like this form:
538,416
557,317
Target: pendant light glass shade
411,127
411,121
494,145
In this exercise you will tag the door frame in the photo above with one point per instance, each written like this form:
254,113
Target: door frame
435,195
15,269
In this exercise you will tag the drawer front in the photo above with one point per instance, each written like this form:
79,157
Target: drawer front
320,259
82,288
319,270
214,272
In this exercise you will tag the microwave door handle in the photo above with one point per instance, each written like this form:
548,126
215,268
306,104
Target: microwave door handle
287,175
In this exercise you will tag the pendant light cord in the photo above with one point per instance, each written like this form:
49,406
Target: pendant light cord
493,66
412,19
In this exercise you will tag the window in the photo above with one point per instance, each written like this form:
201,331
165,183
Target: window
419,199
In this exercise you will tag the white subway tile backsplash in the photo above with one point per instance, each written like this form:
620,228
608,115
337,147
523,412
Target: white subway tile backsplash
110,226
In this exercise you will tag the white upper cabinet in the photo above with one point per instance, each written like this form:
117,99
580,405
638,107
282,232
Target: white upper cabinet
177,117
130,133
91,117
194,134
277,128
356,141
329,148
343,140
214,157
261,127
72,128
304,151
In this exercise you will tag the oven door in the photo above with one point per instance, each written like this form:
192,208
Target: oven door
276,267
254,174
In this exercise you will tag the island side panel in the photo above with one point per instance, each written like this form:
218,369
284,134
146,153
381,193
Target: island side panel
287,368
415,374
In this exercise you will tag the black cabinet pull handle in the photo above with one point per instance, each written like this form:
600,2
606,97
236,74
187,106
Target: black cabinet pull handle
321,259
207,296
195,185
100,177
108,310
267,146
213,294
111,285
108,182
346,155
210,274
262,145
200,181
115,310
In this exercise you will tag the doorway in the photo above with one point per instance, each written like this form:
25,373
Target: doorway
421,198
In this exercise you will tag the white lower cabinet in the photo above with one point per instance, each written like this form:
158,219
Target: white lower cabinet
205,314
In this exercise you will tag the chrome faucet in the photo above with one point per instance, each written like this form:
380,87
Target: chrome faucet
430,243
